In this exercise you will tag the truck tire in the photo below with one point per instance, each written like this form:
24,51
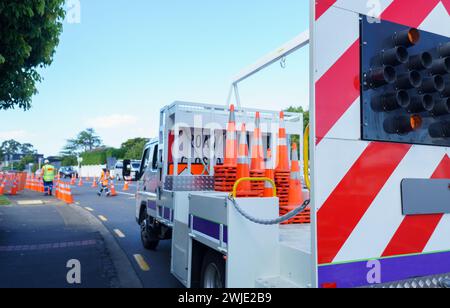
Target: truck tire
213,271
149,239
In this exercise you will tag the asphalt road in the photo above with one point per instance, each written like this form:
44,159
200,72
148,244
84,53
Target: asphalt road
37,241
152,267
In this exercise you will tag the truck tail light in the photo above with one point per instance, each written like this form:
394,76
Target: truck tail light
329,285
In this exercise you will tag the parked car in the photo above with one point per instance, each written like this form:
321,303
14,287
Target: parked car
135,169
67,172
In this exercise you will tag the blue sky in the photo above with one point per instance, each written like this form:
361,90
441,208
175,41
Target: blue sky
126,59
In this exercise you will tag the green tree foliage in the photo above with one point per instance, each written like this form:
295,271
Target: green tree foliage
100,156
86,141
24,162
133,148
29,34
304,112
12,147
296,139
70,160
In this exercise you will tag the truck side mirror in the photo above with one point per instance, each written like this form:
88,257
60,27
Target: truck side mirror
126,171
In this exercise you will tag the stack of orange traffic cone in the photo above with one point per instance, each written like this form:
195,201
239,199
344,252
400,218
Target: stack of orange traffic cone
295,192
282,172
270,174
257,161
244,190
225,175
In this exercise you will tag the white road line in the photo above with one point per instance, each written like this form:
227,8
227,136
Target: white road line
126,194
89,209
102,218
119,233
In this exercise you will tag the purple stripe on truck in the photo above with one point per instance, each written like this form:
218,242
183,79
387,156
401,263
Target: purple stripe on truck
365,273
151,205
207,227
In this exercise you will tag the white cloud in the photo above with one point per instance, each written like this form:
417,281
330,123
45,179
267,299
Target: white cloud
112,121
14,134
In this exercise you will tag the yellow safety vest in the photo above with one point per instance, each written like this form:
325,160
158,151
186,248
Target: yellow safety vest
48,173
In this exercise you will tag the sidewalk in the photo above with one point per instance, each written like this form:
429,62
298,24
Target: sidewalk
39,235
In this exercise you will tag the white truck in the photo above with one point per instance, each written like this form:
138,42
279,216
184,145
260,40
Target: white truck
380,163
183,205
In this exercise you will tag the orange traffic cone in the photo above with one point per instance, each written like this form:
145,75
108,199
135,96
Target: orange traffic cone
69,197
2,187
80,182
94,183
126,186
243,168
257,161
257,146
113,192
72,181
14,188
283,156
270,174
57,189
295,184
231,140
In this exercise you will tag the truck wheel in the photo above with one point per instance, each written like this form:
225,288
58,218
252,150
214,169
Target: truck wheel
149,239
213,271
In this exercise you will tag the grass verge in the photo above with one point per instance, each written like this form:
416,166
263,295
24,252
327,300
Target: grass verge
4,201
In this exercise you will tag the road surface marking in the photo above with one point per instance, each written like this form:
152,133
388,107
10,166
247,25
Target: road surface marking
30,202
141,262
126,194
89,209
119,233
59,245
102,218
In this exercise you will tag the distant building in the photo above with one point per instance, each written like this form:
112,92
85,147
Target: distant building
15,158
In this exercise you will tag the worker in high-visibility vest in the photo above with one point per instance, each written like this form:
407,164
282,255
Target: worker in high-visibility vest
48,175
104,182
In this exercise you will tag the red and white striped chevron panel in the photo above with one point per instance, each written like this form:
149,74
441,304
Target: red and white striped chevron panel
357,195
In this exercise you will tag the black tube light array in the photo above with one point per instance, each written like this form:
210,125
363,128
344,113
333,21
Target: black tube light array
405,84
